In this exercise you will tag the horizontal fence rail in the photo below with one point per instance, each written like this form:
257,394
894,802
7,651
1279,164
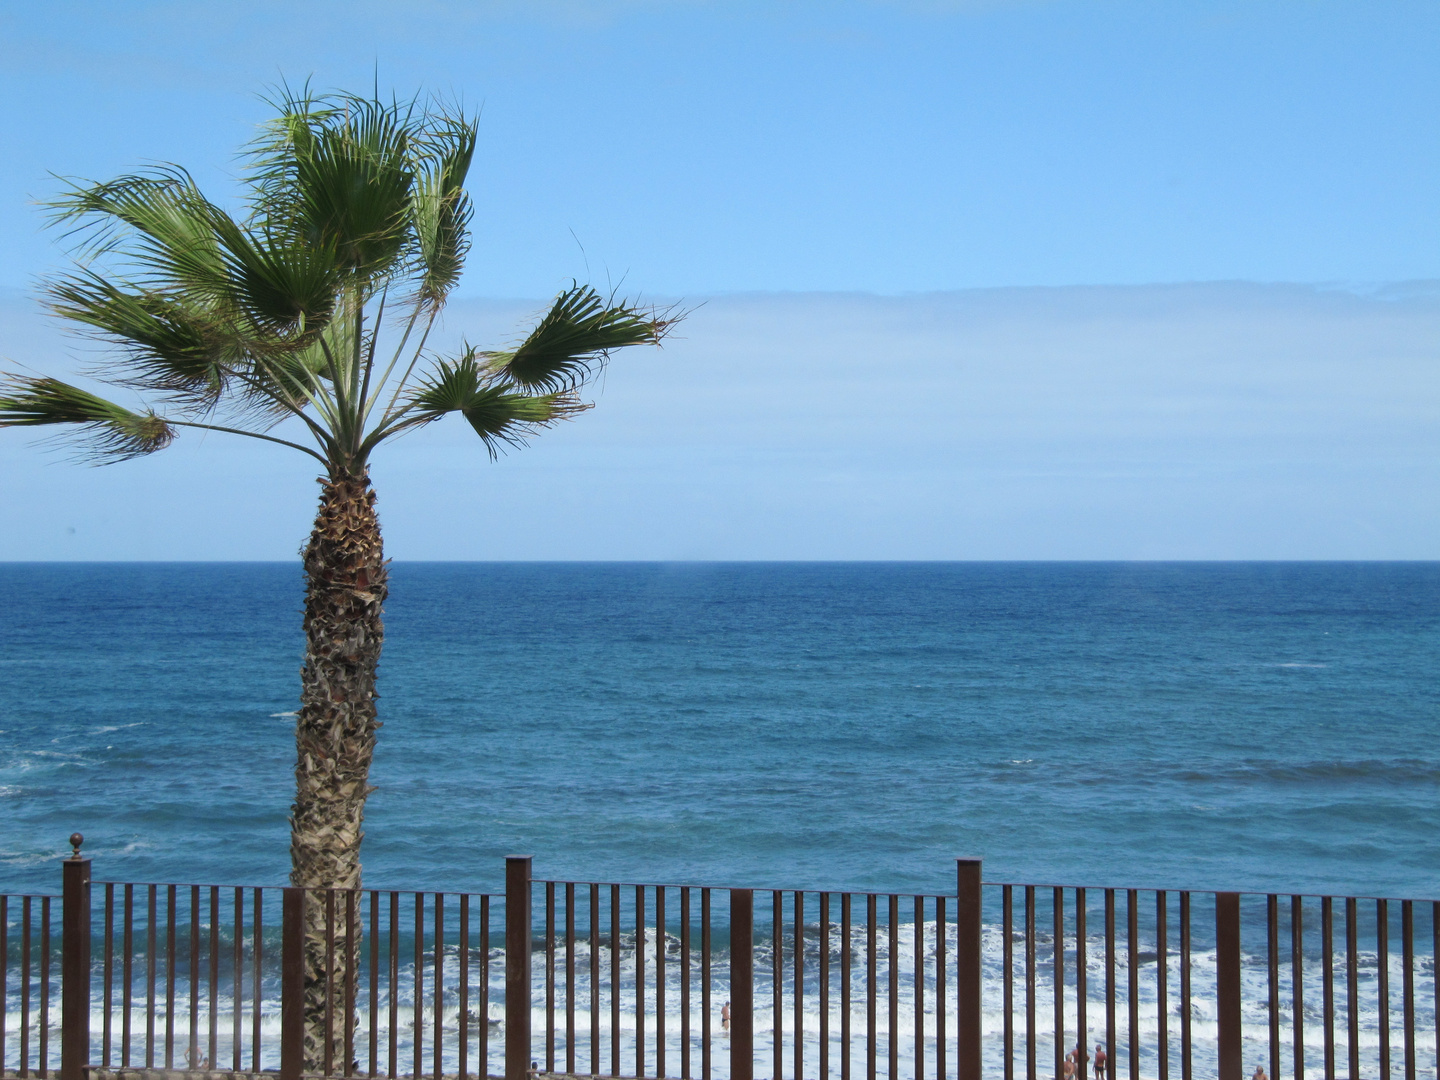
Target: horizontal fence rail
607,979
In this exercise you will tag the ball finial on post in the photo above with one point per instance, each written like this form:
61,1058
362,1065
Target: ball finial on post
75,841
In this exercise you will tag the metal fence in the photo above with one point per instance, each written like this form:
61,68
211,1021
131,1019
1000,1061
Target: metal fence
643,980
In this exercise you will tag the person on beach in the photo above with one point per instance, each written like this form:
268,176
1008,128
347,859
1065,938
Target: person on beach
725,1017
1069,1073
1082,1059
1259,1073
1100,1061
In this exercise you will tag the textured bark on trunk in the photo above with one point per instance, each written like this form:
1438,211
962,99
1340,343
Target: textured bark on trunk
335,737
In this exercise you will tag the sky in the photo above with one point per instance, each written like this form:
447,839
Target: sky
967,280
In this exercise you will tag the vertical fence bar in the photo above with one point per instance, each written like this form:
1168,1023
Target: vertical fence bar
238,960
25,930
43,1051
705,1003
742,984
777,973
639,980
462,1004
1272,929
1185,1064
106,1024
482,1065
799,993
1057,951
550,977
685,984
1297,984
439,978
153,898
375,982
1109,1073
1352,984
594,980
1132,939
417,1021
1162,973
919,1008
292,984
192,1052
517,967
1007,929
75,966
1327,948
941,1004
892,1040
213,1048
1435,977
170,892
127,956
615,980
258,949
1082,1026
871,1047
969,909
328,1054
1382,982
1031,1043
659,981
569,978
1227,986
352,963
5,970
823,1069
392,1031
847,959
1407,934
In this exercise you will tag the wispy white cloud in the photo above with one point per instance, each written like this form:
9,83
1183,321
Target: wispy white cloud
1200,421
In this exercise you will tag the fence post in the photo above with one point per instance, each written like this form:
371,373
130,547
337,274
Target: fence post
1227,984
75,965
517,966
742,984
967,964
292,984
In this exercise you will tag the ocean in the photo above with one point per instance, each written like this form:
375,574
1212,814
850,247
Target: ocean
840,726
858,725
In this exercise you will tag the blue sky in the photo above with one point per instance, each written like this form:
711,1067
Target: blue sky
981,205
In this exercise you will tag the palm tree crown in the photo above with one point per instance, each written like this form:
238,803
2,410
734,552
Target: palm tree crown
355,221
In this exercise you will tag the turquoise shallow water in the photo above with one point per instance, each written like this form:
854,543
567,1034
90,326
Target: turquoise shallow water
836,725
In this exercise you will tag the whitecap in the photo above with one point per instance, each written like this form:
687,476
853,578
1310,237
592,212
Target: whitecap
277,715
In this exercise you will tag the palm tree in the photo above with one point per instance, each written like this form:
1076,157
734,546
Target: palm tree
355,225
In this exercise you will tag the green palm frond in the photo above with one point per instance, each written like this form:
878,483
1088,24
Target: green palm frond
159,221
499,415
354,176
442,210
113,433
173,348
575,337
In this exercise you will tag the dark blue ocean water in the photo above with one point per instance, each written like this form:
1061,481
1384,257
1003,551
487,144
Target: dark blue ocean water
836,725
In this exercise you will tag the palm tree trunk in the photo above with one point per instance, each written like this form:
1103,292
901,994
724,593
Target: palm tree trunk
335,737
